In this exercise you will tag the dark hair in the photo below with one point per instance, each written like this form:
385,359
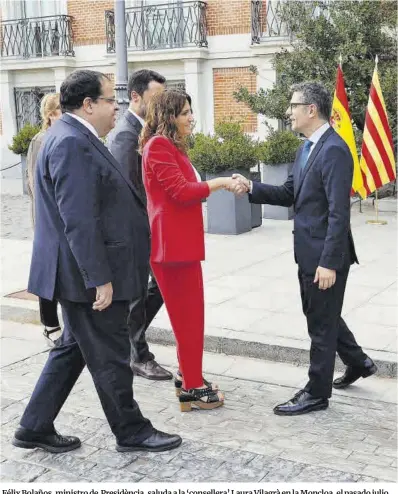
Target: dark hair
163,108
79,85
140,79
315,93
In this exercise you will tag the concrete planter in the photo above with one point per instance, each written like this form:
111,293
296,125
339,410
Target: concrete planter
276,175
228,214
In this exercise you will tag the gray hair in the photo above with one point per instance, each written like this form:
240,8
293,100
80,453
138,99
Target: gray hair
314,93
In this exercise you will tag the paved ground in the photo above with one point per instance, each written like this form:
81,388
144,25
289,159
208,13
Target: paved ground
355,440
251,290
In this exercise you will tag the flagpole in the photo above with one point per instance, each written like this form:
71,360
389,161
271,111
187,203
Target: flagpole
376,221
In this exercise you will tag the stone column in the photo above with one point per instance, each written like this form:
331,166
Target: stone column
193,76
60,74
121,56
9,126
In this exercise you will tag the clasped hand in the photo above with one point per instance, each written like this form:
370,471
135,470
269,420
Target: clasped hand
238,184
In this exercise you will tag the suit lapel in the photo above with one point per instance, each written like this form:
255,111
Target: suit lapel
108,155
299,177
103,150
133,121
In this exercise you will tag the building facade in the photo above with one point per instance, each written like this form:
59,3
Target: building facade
206,47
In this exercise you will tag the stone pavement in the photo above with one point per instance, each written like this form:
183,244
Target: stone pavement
251,289
355,440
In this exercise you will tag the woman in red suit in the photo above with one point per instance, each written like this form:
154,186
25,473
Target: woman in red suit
175,194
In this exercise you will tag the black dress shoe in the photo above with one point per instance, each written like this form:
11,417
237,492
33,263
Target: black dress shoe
52,442
302,402
158,441
151,370
352,374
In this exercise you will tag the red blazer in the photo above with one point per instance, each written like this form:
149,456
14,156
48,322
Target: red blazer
174,203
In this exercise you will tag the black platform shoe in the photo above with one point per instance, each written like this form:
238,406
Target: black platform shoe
203,398
178,384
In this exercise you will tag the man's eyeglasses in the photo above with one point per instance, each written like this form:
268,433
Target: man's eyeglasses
109,100
295,105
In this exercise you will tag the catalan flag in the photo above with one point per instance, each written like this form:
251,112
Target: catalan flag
377,159
341,122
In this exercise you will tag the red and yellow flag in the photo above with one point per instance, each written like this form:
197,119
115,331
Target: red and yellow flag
377,159
340,120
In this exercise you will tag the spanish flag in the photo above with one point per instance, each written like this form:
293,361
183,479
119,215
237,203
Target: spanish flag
377,159
341,122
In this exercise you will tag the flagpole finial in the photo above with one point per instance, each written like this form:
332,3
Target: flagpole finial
376,60
340,60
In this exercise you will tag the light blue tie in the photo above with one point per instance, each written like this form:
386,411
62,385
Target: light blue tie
304,155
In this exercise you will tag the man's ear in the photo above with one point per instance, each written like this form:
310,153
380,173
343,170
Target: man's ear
135,97
88,105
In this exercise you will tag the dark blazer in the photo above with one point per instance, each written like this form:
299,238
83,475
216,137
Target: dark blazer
321,199
122,142
91,224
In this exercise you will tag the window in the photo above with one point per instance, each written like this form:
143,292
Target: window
177,84
25,9
27,104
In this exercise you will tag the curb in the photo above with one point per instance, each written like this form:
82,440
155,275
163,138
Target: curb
219,344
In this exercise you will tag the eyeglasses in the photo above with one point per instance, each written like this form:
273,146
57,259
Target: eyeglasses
295,105
109,100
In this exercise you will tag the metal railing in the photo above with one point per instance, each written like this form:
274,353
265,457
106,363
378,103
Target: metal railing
37,37
267,19
155,27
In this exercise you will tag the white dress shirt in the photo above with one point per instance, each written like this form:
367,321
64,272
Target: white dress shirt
314,138
85,123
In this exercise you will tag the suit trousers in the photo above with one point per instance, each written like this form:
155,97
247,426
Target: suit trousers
100,340
141,313
181,285
48,312
328,332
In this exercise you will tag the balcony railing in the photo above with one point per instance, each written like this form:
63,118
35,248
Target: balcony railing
156,27
37,37
267,19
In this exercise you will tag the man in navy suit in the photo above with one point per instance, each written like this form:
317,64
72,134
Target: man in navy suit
123,144
319,188
92,257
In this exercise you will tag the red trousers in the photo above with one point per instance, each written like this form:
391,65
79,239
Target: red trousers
181,285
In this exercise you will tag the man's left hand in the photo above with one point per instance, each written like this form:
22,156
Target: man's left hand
325,277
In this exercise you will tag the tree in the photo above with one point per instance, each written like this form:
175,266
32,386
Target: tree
321,31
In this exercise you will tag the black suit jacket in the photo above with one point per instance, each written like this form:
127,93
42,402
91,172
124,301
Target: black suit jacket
83,236
321,199
122,142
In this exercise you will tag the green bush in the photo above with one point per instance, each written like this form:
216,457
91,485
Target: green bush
279,147
21,140
228,149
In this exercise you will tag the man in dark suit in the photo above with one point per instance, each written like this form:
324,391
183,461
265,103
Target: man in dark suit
123,144
319,187
91,257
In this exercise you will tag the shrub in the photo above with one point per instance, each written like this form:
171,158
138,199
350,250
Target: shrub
228,149
279,147
21,140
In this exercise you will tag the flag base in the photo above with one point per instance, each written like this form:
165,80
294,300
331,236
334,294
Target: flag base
376,222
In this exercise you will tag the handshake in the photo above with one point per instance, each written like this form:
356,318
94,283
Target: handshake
238,184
